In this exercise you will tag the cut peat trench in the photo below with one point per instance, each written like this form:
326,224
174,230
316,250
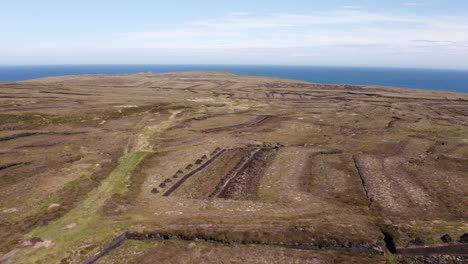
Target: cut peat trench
67,93
115,243
38,145
454,249
20,135
327,152
241,166
292,245
120,240
29,134
190,174
241,182
363,182
4,167
250,123
389,242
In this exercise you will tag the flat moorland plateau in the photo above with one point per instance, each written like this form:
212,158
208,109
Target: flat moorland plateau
209,167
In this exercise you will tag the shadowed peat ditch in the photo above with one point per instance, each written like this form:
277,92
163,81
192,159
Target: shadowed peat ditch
450,249
250,123
185,178
241,180
29,134
11,165
155,236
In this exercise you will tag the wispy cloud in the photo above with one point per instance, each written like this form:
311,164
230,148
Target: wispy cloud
338,17
351,7
414,4
340,36
432,41
322,28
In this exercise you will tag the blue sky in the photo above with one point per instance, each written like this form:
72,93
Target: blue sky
412,33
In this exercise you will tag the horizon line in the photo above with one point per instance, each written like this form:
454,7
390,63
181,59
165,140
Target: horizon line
228,64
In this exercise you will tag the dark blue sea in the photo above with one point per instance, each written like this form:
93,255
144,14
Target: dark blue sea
447,80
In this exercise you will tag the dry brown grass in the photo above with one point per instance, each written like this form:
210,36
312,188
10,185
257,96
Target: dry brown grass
89,150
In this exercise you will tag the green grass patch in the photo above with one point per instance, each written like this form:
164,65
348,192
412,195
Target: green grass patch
90,225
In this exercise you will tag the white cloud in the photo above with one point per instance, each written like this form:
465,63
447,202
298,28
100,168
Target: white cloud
351,7
414,4
291,30
294,20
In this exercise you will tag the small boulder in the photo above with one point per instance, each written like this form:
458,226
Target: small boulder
43,244
179,172
204,157
446,238
198,161
30,242
167,180
24,243
464,238
154,190
189,167
162,185
192,245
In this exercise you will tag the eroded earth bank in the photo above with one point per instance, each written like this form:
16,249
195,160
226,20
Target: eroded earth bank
209,167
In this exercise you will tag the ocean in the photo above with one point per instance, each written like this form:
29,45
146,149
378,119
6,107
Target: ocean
430,79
